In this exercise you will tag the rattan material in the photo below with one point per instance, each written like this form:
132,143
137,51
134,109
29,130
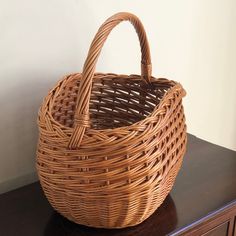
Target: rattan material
110,146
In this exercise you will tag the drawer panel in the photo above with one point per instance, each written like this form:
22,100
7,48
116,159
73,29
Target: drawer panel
220,230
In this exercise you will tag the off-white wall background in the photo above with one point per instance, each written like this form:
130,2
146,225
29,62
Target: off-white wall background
191,41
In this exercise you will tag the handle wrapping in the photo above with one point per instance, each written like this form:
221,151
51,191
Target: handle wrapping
82,106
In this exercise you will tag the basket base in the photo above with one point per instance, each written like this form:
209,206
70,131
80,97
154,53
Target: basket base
158,198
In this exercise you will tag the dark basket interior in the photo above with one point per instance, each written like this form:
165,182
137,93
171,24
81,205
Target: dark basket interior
115,101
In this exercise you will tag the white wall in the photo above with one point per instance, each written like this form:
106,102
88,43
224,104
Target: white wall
40,40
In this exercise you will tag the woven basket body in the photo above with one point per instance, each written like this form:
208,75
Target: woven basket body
110,146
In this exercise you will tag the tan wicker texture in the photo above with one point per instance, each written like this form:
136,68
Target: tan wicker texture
110,146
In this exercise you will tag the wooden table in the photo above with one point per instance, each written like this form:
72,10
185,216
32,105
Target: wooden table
202,202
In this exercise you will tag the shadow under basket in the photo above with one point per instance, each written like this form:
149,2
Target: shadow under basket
110,146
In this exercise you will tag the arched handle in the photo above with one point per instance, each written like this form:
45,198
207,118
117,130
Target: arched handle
81,119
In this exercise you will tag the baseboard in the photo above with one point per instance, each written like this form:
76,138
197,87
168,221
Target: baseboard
18,182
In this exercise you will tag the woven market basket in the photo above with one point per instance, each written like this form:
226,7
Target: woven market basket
110,146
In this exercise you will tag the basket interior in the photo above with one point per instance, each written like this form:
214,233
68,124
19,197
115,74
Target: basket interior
116,100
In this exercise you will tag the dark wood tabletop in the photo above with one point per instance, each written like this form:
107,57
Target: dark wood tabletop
205,184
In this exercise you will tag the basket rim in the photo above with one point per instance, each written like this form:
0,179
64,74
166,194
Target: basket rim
176,86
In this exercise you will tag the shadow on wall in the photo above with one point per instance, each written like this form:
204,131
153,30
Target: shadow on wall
41,43
20,102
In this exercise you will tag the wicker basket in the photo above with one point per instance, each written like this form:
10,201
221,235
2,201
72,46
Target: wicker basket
110,146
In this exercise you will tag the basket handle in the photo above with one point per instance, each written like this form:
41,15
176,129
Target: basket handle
81,119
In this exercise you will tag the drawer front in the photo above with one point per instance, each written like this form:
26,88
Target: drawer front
234,230
221,224
220,230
